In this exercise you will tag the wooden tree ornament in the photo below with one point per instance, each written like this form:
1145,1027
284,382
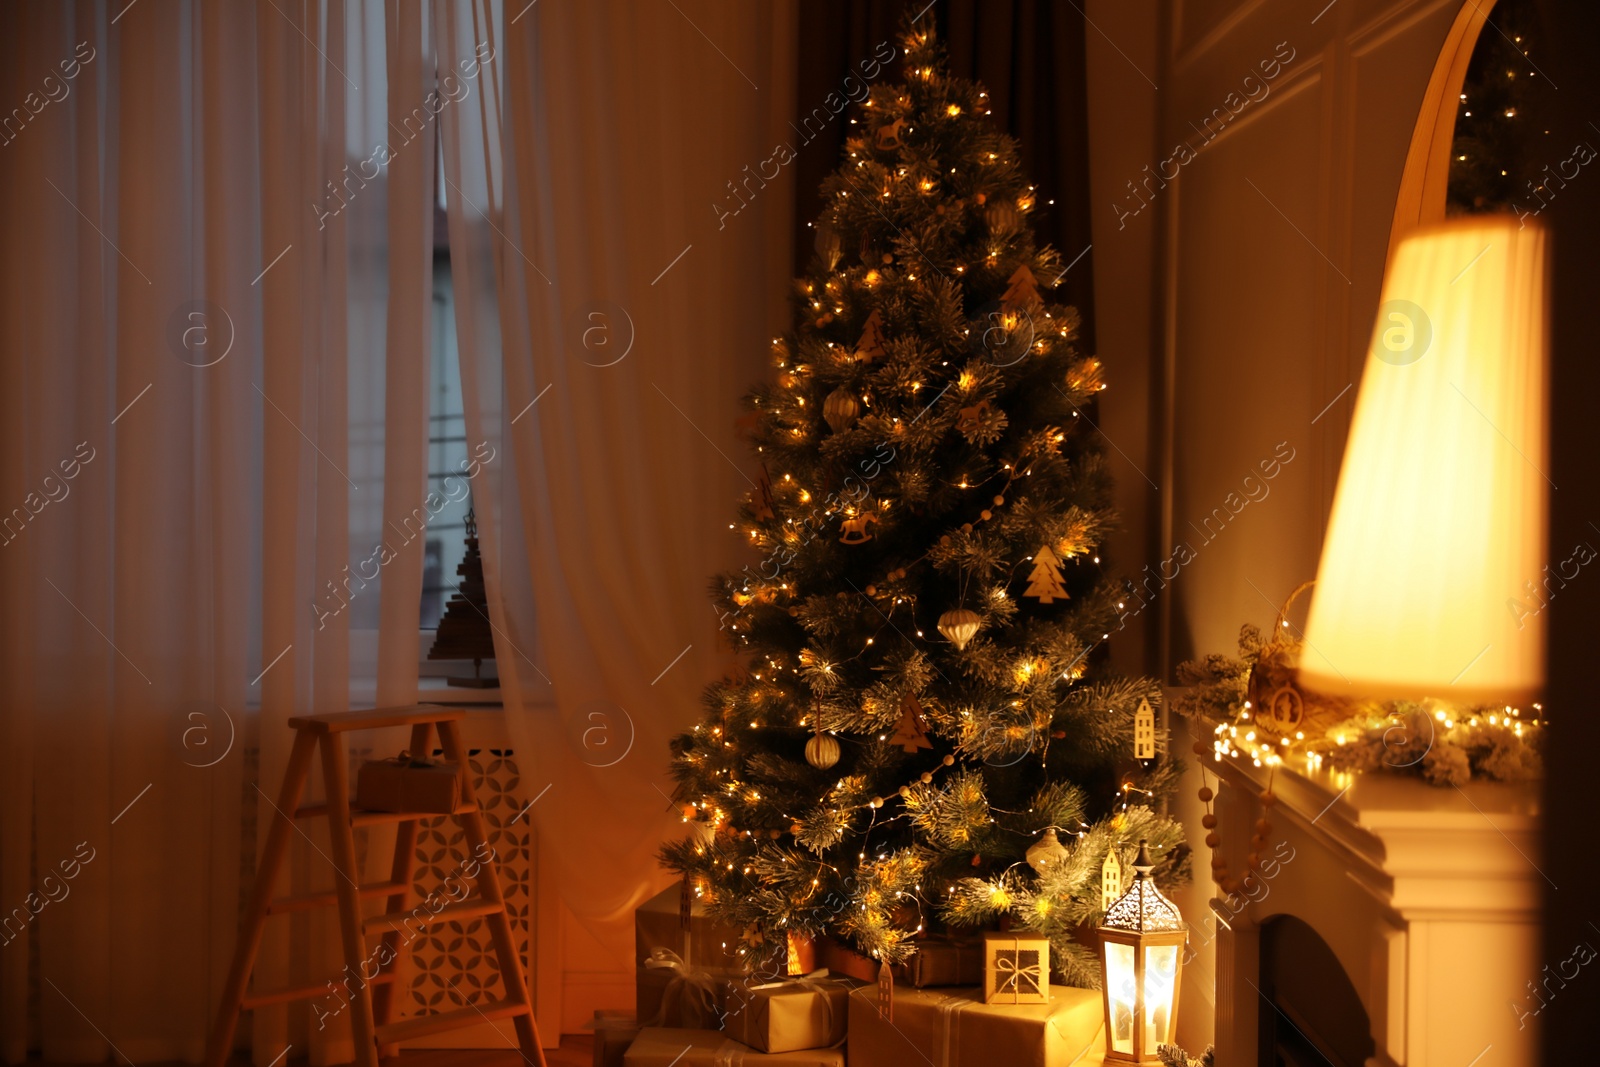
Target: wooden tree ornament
871,348
1044,581
911,733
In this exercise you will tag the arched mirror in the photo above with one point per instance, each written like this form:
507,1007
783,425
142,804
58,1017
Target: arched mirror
1480,143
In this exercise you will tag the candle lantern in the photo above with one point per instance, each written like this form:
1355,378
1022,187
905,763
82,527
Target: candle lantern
1141,959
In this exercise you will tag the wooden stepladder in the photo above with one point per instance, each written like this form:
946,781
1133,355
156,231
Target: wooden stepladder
373,1000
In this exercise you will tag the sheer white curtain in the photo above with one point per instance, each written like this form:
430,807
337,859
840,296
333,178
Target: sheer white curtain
192,285
584,185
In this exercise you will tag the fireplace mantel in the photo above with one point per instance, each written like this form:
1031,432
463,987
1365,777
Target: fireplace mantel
1428,896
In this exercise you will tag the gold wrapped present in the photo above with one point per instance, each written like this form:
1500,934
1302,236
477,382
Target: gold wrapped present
1016,967
709,1048
955,1028
408,783
800,1013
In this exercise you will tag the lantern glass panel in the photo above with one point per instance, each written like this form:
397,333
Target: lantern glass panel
1160,983
1121,994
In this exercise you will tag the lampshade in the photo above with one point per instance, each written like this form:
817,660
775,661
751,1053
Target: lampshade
1432,572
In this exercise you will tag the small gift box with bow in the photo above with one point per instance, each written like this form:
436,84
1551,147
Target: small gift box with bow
411,783
786,1016
1016,968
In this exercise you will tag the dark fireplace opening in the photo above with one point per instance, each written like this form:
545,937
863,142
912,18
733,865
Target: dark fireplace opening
1312,1016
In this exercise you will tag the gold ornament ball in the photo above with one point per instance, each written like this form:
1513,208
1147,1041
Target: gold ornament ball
999,500
794,613
949,761
1267,799
1201,748
1209,821
1213,839
877,802
986,514
959,626
822,751
1206,794
688,811
1263,827
796,829
905,790
966,527
925,778
872,590
1253,859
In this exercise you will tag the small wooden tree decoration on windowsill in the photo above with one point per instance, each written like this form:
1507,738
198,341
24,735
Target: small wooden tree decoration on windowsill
464,630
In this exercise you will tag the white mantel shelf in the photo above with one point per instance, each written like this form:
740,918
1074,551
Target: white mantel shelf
1425,851
1428,895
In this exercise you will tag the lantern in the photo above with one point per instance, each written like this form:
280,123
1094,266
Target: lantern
1141,959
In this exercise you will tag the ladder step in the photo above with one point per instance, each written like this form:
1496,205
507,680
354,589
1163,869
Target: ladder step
471,908
330,898
369,818
305,992
472,1015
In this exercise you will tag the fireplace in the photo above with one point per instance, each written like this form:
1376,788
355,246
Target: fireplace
1311,1013
1395,926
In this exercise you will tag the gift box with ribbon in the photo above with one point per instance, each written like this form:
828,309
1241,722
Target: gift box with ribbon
408,783
671,993
709,1048
955,1028
786,1016
945,961
614,1031
1016,967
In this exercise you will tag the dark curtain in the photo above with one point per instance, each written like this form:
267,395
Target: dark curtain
1029,54
1569,30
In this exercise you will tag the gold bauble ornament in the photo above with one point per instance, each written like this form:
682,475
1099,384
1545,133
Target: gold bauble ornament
822,751
959,625
1046,852
840,409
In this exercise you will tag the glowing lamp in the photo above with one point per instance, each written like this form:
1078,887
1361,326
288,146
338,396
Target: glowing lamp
1431,576
1141,960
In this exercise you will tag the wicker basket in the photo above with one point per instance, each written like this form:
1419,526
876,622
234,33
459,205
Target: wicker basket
1278,706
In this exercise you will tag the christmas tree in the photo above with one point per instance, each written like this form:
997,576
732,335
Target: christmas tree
923,440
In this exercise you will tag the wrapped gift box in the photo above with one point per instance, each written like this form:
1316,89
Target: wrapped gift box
955,1028
1016,968
658,923
670,993
403,784
707,1048
801,1013
942,961
614,1031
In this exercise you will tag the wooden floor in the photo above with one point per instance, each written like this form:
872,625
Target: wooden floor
577,1050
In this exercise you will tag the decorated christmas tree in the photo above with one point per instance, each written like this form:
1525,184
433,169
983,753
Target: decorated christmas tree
924,699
